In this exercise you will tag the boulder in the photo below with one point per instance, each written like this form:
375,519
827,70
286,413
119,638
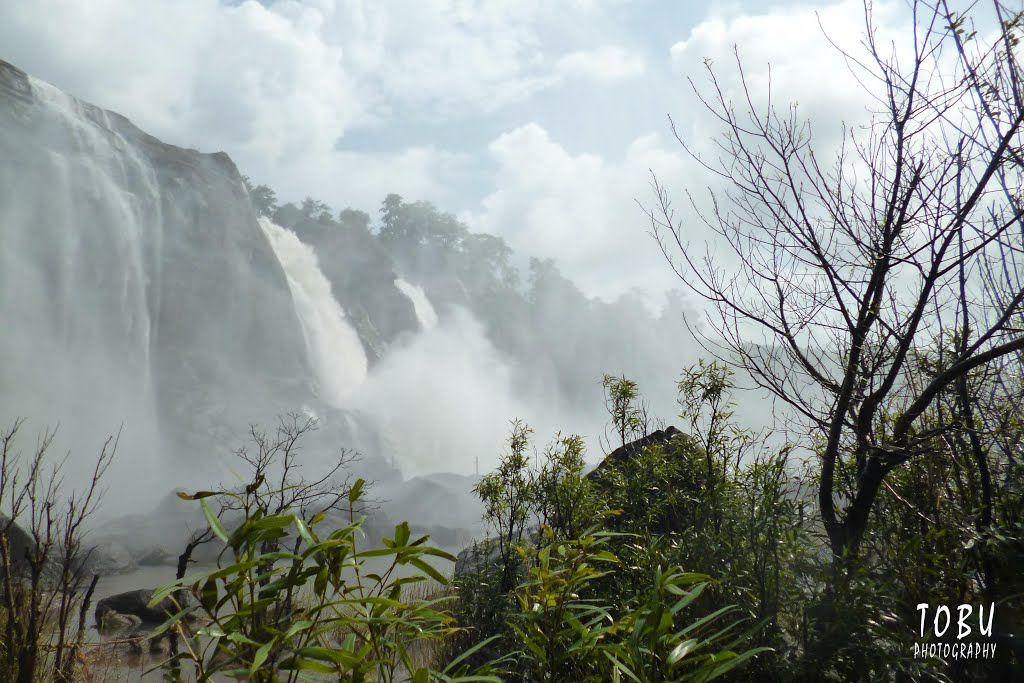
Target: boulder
135,604
19,542
634,448
111,558
116,623
478,557
156,556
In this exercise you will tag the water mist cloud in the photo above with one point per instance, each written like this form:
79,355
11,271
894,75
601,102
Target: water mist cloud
446,398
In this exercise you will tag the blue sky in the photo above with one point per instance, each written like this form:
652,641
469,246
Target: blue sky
534,119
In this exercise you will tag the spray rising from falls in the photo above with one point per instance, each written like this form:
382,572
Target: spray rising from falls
424,311
137,295
333,345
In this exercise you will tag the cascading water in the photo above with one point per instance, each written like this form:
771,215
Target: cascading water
137,293
75,283
424,311
333,345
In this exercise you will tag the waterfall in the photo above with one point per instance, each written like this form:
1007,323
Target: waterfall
139,297
424,311
333,345
75,280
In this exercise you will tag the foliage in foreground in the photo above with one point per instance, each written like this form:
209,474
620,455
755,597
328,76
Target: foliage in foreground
45,584
318,608
287,601
717,502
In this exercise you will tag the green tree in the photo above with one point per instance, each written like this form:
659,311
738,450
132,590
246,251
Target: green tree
355,221
263,199
628,414
508,497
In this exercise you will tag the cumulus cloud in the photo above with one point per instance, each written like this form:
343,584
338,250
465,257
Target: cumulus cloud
580,209
787,54
278,84
447,56
243,77
607,63
281,75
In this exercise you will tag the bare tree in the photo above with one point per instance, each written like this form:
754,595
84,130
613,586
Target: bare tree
852,264
275,484
43,563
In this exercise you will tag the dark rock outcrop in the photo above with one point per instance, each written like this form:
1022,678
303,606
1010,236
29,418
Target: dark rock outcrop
483,555
476,557
361,272
111,557
634,448
125,607
19,542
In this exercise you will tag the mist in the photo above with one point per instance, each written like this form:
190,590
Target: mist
159,294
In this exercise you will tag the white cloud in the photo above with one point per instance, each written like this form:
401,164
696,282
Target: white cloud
580,209
361,179
278,85
446,54
607,63
786,52
195,72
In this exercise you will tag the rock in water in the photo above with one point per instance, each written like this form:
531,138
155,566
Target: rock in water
115,622
120,608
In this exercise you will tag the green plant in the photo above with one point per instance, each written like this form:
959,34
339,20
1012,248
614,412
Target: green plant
508,497
320,610
570,632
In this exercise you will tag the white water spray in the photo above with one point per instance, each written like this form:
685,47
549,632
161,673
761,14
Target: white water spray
424,311
333,345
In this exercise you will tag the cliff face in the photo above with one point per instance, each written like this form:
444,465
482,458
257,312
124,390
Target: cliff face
136,285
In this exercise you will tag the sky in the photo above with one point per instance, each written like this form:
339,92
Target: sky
537,120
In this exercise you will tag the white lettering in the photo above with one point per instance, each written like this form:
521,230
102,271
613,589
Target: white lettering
963,630
981,619
923,609
939,611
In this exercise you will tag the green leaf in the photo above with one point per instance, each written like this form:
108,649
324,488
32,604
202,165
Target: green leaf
620,666
428,570
211,519
198,495
208,596
237,637
260,657
304,664
688,597
298,626
356,491
402,534
681,650
730,661
305,532
469,653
